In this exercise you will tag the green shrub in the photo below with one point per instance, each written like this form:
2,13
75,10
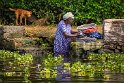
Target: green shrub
84,10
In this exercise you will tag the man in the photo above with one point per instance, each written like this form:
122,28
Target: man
63,34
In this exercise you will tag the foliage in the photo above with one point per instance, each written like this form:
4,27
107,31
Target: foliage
50,61
49,65
84,10
15,59
36,42
97,66
101,66
16,64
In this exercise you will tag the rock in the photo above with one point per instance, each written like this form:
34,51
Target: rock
32,18
41,22
8,44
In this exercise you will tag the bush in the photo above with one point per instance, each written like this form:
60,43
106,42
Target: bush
85,11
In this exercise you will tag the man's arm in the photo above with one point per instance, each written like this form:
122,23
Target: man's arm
74,31
66,35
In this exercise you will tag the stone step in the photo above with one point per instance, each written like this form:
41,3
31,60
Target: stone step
9,32
12,31
24,42
16,43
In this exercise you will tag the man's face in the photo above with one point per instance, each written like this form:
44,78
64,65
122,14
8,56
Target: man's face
70,20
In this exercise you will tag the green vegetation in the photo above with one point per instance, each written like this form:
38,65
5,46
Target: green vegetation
49,64
15,64
96,66
84,10
17,58
36,42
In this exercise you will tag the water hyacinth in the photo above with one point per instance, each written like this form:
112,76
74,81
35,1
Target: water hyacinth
96,66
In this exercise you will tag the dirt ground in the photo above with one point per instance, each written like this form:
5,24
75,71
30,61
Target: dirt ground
48,30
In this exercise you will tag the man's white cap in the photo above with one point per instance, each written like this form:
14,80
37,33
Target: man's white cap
68,15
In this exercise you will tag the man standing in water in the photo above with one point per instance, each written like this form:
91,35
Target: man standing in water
63,34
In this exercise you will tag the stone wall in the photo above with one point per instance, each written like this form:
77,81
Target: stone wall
13,38
113,35
113,29
7,33
12,31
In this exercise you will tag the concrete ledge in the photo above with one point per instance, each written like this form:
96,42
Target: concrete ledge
112,20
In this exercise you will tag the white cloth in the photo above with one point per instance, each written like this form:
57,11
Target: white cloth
68,15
